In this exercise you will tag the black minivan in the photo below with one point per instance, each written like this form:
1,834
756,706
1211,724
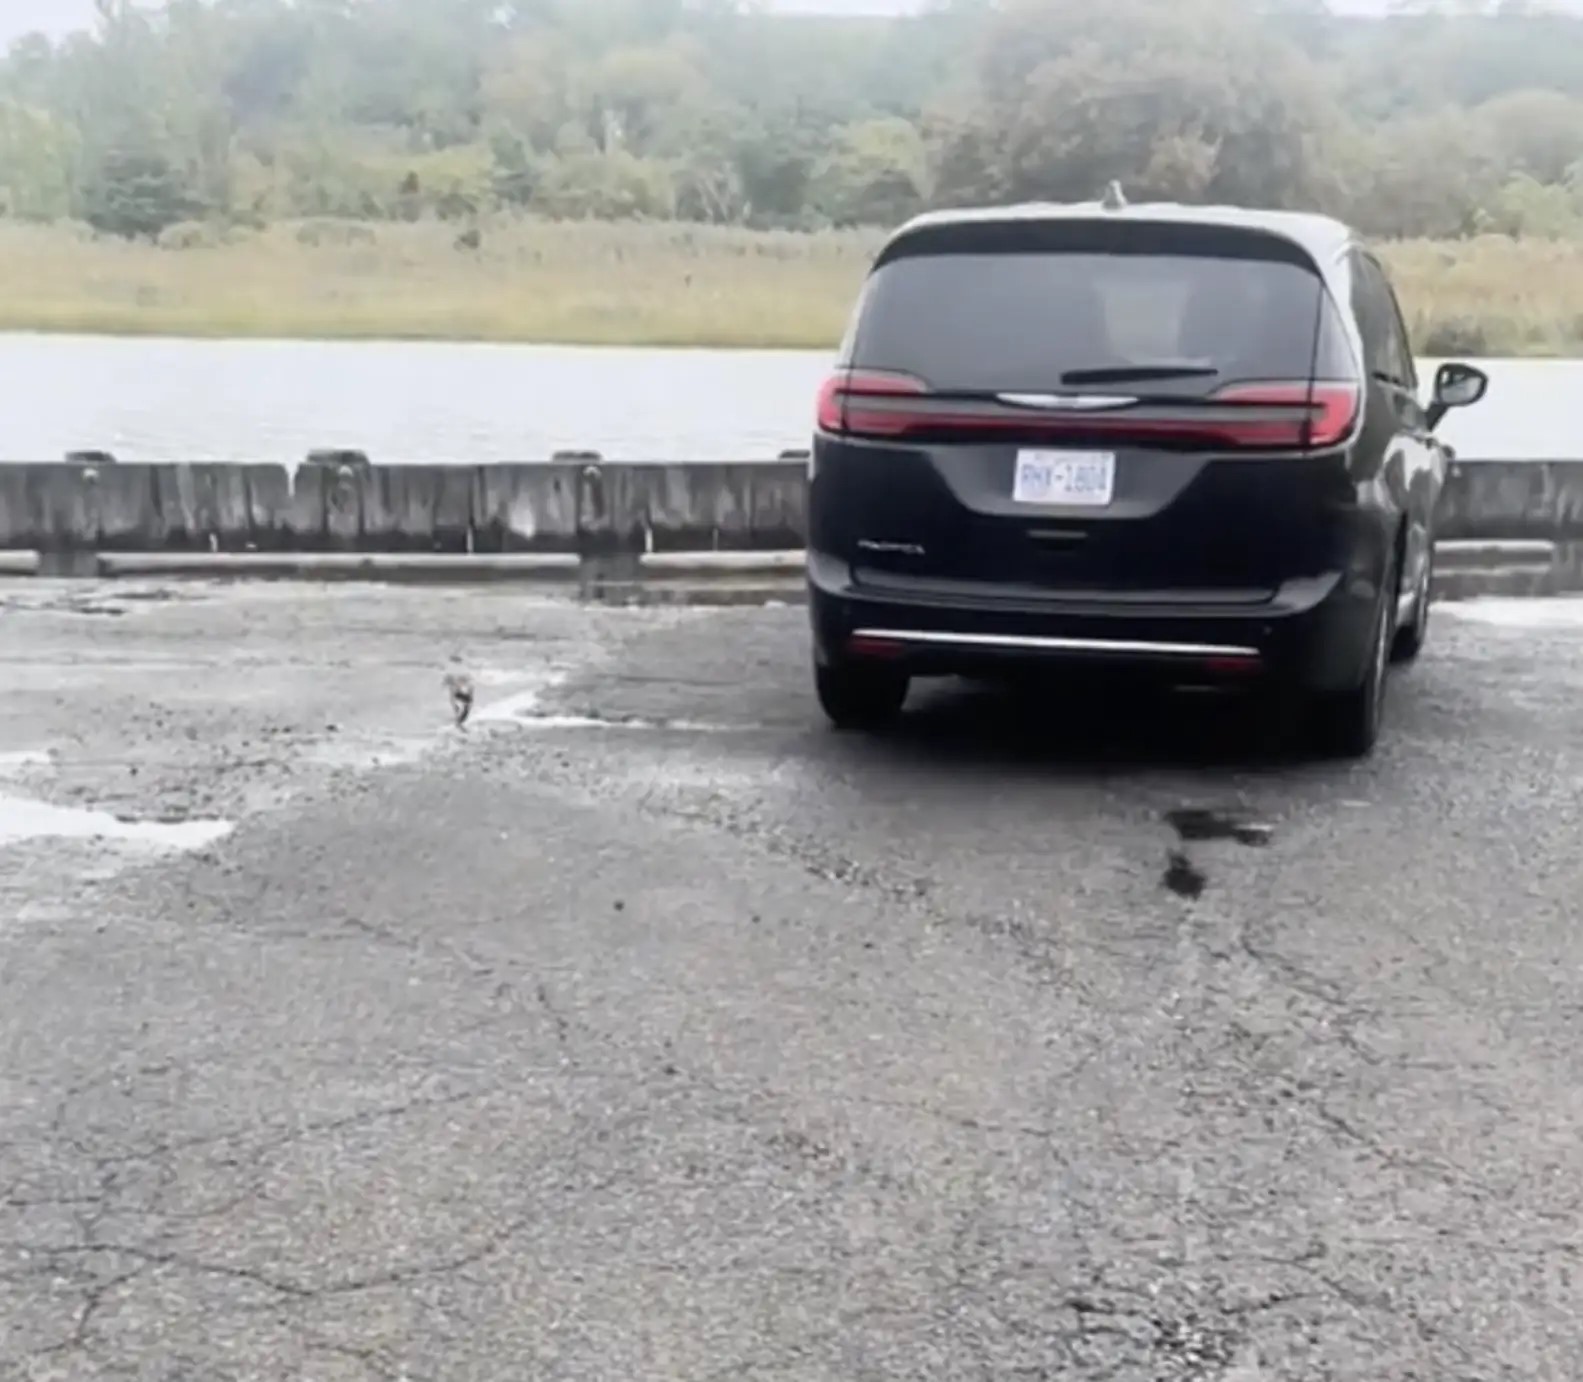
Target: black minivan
1183,439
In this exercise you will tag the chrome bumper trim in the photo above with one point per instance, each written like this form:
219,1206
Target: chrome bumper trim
1032,643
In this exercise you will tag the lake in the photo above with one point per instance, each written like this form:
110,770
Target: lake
165,400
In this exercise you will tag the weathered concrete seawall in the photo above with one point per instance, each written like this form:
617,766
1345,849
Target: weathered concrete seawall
602,522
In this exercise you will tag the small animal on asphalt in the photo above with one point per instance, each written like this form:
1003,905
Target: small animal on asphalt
460,688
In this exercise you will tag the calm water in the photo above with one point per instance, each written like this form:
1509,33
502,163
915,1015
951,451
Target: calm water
276,400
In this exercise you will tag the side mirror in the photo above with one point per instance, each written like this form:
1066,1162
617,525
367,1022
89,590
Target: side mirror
1456,386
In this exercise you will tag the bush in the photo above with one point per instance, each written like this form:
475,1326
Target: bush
605,187
193,235
136,194
1455,336
327,231
1526,208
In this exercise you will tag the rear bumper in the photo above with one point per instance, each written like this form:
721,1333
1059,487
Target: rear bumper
1313,633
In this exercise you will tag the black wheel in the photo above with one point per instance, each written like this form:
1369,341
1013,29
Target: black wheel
1412,636
1347,725
860,697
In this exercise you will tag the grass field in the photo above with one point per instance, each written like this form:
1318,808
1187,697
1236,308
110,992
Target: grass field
628,284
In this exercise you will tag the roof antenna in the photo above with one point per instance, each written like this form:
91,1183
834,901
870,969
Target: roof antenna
1115,198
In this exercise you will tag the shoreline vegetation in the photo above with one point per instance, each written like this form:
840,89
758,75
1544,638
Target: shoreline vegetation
518,280
714,172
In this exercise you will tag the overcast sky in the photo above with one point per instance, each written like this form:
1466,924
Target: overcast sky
51,16
19,17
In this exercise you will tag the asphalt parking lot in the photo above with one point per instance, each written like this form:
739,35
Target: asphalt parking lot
645,1029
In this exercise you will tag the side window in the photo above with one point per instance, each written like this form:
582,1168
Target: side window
848,347
1365,305
1403,343
1384,339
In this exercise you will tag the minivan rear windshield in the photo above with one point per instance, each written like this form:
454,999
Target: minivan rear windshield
1170,324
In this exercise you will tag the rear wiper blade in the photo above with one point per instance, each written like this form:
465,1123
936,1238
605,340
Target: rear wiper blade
1128,374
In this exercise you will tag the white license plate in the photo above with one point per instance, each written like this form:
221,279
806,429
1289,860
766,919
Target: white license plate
1079,478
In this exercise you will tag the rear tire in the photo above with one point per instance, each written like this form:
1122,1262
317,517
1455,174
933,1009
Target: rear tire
860,698
1411,637
1347,725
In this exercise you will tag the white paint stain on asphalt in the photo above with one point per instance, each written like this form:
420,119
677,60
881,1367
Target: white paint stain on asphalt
547,722
22,818
1521,613
364,752
522,712
18,761
515,708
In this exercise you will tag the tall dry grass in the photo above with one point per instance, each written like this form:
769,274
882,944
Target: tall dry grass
628,284
590,283
1491,296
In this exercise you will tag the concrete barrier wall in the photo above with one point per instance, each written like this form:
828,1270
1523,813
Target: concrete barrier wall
566,506
1513,501
583,507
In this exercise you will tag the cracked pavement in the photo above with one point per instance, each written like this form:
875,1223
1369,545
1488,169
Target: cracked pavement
646,1029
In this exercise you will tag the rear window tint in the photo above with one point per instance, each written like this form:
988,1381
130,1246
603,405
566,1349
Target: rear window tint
999,321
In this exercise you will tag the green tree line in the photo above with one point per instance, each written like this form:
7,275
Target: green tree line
1446,119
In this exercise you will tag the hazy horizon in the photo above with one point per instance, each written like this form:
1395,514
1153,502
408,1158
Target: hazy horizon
60,17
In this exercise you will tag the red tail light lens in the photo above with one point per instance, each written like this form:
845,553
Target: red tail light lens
836,413
1311,416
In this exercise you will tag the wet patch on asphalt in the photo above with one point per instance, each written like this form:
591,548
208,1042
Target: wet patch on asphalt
1183,877
25,818
1200,825
1196,824
98,600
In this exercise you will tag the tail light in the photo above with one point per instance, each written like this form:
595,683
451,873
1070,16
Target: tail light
836,413
1310,416
1262,416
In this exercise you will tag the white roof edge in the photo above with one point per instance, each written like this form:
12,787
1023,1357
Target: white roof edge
1303,226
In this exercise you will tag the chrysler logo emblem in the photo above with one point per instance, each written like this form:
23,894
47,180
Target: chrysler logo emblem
1068,402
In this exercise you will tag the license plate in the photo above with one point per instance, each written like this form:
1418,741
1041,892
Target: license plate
1080,478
